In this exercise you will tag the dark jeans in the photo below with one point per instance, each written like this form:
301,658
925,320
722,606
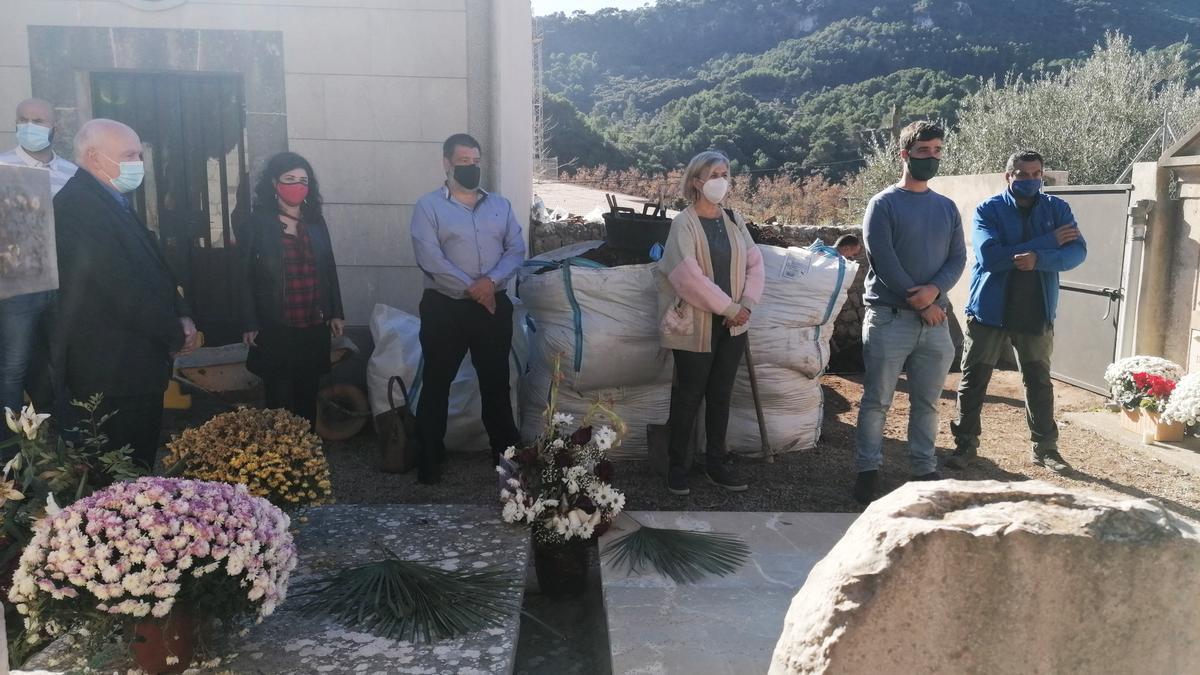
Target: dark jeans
25,352
137,423
708,378
296,394
982,348
449,329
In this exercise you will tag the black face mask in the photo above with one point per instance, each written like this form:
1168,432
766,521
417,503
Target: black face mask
467,175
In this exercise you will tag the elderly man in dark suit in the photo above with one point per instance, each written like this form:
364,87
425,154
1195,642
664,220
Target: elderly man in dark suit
122,316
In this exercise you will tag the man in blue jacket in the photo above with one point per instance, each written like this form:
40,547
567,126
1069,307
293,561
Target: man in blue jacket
1022,239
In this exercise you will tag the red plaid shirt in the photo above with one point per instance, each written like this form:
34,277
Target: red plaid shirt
301,301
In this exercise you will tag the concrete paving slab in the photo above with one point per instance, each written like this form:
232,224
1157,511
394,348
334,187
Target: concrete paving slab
722,624
1184,455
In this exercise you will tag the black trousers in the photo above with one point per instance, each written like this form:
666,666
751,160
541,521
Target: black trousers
708,378
296,394
449,330
137,422
982,348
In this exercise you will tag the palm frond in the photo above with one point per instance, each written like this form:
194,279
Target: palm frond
683,556
415,601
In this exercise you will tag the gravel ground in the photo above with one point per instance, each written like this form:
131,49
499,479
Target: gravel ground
819,479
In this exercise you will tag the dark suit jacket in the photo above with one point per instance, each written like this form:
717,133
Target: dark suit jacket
261,283
118,303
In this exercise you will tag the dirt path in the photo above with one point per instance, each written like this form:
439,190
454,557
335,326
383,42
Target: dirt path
819,479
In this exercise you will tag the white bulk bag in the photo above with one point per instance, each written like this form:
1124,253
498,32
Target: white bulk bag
602,320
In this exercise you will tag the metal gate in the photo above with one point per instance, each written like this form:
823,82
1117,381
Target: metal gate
1091,296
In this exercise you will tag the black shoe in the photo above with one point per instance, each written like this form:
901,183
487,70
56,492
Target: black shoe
932,475
677,483
961,458
865,486
722,474
1051,460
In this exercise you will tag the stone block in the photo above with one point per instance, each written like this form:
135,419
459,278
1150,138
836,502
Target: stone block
426,44
363,287
991,577
337,536
367,172
721,625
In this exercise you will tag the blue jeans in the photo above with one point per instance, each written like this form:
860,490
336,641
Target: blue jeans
896,340
22,334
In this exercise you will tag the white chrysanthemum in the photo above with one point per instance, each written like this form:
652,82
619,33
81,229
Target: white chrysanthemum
1184,404
1119,376
604,437
563,419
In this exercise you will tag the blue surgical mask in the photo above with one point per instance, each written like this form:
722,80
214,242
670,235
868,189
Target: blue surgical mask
33,137
130,177
1026,189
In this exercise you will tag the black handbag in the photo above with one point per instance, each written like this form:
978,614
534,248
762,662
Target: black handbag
396,433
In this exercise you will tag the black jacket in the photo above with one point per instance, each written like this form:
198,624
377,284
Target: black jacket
118,302
261,284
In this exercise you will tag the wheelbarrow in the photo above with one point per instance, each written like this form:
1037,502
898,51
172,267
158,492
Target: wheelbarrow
220,372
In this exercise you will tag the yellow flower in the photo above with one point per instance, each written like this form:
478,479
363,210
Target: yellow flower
8,490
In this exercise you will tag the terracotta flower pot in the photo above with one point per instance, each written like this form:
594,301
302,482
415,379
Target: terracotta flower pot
1146,422
562,569
154,640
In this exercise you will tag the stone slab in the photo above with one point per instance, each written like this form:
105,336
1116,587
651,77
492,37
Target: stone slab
1184,455
722,624
341,535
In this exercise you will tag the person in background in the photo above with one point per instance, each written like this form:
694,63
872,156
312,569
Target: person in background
291,302
848,246
121,314
1022,239
469,245
916,253
710,277
26,320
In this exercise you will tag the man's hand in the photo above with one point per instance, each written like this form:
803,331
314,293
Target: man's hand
920,297
933,315
191,339
1066,234
740,320
248,338
337,327
483,291
1025,261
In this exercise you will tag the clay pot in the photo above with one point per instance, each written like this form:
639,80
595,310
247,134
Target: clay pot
156,639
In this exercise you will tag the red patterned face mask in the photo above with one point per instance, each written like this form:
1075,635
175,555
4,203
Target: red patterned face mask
292,194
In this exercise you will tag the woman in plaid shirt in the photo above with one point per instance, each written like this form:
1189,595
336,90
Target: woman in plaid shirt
291,303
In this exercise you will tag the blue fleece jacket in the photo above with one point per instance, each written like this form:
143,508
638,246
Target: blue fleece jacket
996,236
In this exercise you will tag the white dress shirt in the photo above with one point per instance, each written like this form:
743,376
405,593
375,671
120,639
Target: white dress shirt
60,169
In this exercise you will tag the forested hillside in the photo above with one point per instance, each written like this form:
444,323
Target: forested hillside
804,84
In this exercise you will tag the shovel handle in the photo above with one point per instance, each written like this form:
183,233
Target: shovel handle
758,411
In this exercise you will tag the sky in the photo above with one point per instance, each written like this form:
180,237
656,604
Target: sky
541,7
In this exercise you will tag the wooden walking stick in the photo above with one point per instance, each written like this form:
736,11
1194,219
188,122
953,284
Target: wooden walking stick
768,451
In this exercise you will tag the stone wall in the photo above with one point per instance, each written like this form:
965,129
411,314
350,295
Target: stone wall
847,335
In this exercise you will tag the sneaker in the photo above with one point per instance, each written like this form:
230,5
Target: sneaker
724,475
865,486
932,475
677,483
961,457
1051,460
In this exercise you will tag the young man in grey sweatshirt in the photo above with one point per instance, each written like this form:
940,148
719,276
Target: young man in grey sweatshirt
915,248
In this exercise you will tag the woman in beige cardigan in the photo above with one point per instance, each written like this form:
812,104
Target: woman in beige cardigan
710,277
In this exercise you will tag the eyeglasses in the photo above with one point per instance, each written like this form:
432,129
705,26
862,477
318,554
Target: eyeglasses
290,180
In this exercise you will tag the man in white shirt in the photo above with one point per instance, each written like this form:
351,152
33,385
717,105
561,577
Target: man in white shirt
35,136
25,319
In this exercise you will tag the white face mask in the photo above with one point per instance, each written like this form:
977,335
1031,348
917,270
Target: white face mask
714,189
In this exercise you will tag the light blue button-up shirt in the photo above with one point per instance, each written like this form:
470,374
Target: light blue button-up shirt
455,244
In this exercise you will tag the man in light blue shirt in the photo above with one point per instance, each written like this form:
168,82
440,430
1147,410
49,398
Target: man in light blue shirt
469,245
